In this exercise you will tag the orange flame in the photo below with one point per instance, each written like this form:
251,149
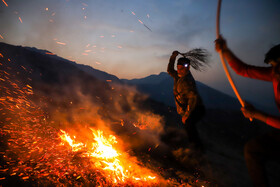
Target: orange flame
116,164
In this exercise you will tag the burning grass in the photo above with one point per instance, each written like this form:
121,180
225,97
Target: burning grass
37,149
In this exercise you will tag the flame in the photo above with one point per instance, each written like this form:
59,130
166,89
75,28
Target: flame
112,161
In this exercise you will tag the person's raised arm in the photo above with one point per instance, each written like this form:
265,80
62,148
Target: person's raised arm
241,68
170,68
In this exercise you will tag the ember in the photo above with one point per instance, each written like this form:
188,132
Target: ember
5,2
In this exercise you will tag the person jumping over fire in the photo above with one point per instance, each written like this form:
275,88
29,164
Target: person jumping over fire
188,101
265,147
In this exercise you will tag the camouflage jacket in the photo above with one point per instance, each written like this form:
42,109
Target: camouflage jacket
185,91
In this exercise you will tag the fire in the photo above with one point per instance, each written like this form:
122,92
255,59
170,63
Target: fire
67,138
37,152
112,161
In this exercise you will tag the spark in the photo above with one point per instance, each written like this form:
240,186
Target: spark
133,13
5,2
1,55
50,53
47,9
53,14
20,19
98,63
61,43
109,80
1,37
147,27
140,21
84,54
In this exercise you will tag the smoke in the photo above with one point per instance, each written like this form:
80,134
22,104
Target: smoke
117,110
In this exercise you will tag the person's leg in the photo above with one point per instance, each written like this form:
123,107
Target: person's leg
257,151
191,128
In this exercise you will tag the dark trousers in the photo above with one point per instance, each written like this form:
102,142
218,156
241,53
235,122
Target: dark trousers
190,126
257,151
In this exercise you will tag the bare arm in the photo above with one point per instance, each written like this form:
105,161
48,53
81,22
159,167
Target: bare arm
241,68
170,68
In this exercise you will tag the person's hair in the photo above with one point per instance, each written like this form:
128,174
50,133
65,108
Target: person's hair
272,54
183,61
198,58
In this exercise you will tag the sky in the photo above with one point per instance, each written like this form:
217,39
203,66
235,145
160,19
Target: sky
135,38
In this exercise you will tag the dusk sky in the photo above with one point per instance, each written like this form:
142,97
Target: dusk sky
134,38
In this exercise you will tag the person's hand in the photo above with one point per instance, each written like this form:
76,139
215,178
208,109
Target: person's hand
184,119
220,44
175,53
248,111
185,116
